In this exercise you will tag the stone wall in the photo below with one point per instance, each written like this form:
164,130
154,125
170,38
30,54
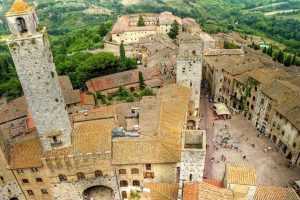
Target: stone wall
39,80
189,68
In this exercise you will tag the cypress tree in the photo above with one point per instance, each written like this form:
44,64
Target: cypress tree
122,51
265,50
141,21
293,61
141,80
287,61
174,30
280,57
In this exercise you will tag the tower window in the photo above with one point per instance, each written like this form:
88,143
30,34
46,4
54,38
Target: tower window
30,192
44,191
80,175
21,25
62,178
54,139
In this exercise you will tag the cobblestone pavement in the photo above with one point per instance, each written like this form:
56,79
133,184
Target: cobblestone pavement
270,166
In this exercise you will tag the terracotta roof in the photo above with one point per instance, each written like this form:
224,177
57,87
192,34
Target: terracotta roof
161,138
275,193
242,68
87,137
26,153
87,99
167,18
123,23
18,7
279,90
188,37
190,23
70,96
104,112
214,182
205,191
14,109
240,173
290,109
122,79
215,52
163,191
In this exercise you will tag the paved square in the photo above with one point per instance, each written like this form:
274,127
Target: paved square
270,166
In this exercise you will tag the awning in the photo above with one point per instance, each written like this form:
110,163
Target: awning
221,109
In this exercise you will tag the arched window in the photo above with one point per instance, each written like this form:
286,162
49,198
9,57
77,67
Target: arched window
80,175
122,171
98,173
62,178
21,24
123,183
136,183
135,171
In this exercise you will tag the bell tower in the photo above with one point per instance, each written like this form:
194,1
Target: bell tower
30,50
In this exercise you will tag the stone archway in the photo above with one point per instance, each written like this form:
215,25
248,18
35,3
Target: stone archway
98,192
14,198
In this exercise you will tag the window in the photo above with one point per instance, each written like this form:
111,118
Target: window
248,103
98,173
25,181
44,191
30,192
148,166
80,175
253,98
20,171
34,170
136,183
54,139
2,179
62,178
122,171
191,177
21,25
282,133
123,183
262,101
39,180
255,89
135,171
191,84
149,175
294,145
252,107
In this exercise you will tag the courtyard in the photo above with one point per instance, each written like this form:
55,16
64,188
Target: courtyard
271,165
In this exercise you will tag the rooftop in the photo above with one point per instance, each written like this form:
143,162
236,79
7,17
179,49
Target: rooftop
205,191
240,173
122,79
19,7
275,193
215,52
163,191
26,153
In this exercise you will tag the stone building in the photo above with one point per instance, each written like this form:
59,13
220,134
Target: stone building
116,148
239,184
189,66
30,51
126,28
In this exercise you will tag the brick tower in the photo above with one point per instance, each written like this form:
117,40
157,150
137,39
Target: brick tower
30,50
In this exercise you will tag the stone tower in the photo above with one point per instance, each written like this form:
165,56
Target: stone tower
30,50
189,65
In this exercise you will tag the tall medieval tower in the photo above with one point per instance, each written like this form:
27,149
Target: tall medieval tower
30,50
189,65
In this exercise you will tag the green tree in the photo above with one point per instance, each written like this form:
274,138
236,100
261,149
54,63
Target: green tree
122,51
293,61
102,29
270,51
141,21
280,57
141,80
174,30
265,50
287,61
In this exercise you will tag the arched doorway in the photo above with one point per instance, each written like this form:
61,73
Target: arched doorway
14,198
98,193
